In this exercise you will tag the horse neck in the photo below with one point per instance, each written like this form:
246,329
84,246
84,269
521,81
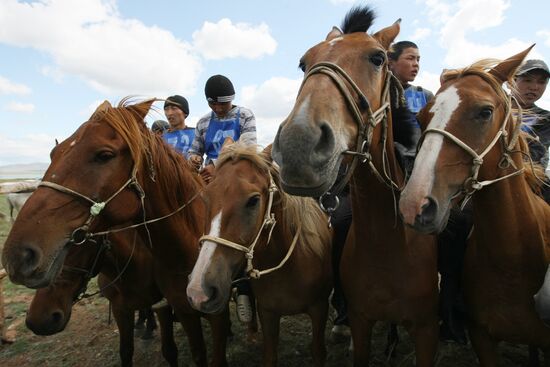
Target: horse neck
504,213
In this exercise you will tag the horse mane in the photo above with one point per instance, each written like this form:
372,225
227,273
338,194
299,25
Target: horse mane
534,172
296,209
358,19
164,165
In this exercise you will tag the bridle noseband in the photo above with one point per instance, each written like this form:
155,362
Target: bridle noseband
268,225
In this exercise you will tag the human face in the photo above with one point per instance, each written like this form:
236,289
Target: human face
175,117
405,68
530,87
221,109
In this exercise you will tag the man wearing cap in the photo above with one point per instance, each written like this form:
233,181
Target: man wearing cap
159,127
531,80
176,109
225,120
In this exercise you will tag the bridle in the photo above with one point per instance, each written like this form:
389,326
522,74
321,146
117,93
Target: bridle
349,89
268,225
472,184
83,234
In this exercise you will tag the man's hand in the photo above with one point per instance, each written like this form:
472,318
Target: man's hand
196,161
207,173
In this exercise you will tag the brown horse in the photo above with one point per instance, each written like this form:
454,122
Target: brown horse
388,271
471,147
127,174
126,278
250,215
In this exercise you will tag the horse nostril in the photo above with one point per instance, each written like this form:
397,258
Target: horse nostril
325,144
57,317
29,260
428,213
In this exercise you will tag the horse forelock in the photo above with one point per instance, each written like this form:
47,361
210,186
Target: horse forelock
358,19
314,231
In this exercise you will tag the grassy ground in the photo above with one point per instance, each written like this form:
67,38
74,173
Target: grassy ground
89,340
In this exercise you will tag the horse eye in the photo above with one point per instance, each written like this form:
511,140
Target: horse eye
302,66
104,156
377,59
253,201
485,113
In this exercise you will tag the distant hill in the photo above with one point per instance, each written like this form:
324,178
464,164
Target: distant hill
28,170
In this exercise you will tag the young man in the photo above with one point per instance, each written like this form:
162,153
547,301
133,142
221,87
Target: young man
531,81
176,109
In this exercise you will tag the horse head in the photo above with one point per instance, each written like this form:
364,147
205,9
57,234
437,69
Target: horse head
90,185
345,76
236,200
465,126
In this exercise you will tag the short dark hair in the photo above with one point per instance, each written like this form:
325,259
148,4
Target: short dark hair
397,49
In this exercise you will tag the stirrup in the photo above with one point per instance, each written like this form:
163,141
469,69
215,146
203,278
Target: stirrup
244,309
160,304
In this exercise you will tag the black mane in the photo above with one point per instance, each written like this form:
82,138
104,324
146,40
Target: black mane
358,19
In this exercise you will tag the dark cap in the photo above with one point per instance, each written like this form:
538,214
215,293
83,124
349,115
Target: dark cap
179,102
531,65
219,88
160,126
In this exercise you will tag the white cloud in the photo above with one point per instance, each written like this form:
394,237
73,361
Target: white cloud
224,39
90,109
545,34
88,38
20,107
9,87
31,148
427,80
271,103
421,33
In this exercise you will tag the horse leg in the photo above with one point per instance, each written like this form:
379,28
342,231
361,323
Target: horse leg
318,314
125,321
270,331
483,345
168,345
361,331
426,339
252,327
220,330
533,356
391,341
150,323
140,322
192,325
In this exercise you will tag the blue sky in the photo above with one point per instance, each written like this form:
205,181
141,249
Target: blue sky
60,58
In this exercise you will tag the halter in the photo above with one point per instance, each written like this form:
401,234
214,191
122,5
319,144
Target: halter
82,233
268,224
347,87
471,184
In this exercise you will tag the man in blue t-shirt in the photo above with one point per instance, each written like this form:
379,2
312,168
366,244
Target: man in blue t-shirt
176,109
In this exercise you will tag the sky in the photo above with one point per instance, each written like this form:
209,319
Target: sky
59,59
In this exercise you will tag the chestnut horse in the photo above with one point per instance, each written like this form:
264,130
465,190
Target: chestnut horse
388,271
472,147
111,171
283,241
126,278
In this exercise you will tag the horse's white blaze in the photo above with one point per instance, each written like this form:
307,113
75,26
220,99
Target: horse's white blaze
73,143
443,108
205,255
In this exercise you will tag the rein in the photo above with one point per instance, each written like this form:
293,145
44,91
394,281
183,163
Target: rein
268,224
472,184
347,87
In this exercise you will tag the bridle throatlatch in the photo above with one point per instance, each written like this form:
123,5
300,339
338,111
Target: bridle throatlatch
268,225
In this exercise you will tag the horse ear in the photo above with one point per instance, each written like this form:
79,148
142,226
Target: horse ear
507,68
103,107
334,32
142,108
387,35
267,153
227,143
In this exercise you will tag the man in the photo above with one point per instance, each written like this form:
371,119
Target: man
531,81
159,127
176,109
